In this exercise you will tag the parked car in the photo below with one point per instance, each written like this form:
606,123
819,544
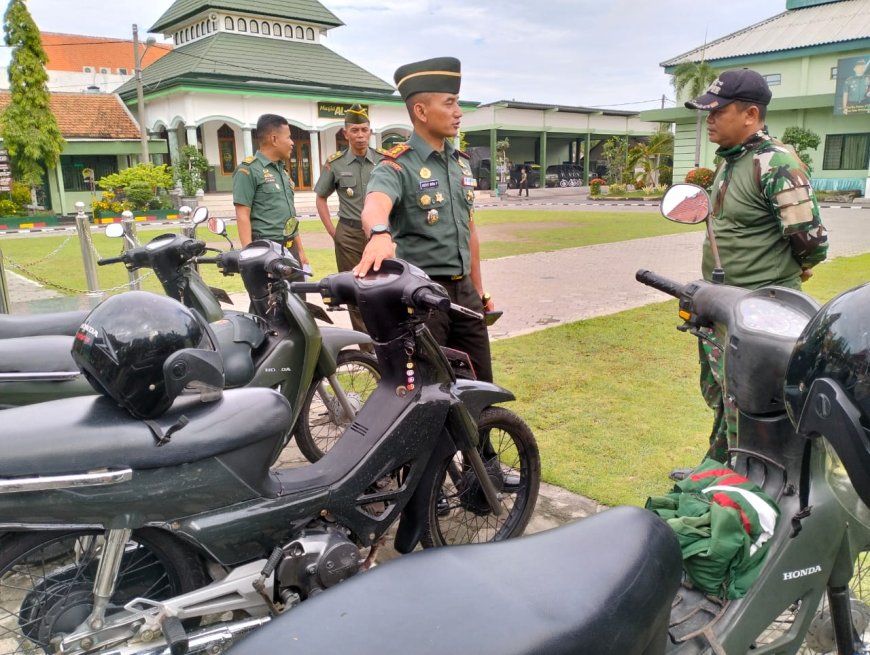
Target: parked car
564,175
534,175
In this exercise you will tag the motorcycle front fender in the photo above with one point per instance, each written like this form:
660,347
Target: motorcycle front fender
334,340
477,395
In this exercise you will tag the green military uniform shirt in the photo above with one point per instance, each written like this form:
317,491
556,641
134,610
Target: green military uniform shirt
265,187
433,199
349,175
765,216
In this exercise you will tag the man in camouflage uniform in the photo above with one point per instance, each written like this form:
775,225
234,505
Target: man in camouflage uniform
263,191
348,172
420,205
765,217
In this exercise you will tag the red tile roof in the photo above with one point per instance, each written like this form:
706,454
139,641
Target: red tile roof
88,115
72,52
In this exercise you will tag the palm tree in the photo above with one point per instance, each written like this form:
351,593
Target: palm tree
693,78
648,154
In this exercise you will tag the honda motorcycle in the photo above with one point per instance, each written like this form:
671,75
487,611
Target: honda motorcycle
120,542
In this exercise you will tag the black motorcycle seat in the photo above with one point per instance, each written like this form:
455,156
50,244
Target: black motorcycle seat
36,354
87,433
600,585
31,325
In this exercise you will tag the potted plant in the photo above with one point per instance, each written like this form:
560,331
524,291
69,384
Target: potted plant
190,173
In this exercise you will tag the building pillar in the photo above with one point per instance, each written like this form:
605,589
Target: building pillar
172,140
61,190
314,137
493,159
247,141
543,160
191,135
587,149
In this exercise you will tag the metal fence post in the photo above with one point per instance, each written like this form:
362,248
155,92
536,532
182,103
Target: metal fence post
83,227
188,228
5,306
130,241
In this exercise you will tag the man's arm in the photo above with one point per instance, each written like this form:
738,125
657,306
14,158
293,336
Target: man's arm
376,211
323,212
297,241
476,276
243,224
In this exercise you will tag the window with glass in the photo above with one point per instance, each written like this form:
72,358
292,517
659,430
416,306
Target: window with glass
243,25
309,34
833,72
227,149
276,29
300,34
288,31
71,167
846,152
228,23
255,27
773,79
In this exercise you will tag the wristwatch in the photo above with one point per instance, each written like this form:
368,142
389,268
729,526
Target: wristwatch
381,228
485,298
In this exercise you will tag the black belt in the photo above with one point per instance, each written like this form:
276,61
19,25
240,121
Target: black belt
441,279
351,222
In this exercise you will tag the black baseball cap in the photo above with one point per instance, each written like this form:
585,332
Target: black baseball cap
742,84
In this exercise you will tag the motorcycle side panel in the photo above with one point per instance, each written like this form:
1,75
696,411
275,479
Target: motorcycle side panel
477,395
334,341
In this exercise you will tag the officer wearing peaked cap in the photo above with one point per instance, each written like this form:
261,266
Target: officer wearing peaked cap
347,173
420,206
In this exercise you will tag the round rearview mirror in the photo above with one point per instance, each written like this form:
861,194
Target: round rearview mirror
200,215
217,226
114,230
686,203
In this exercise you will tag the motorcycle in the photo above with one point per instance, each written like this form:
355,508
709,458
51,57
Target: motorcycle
600,586
113,544
278,344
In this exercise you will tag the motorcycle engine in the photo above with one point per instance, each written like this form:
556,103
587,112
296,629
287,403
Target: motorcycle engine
317,560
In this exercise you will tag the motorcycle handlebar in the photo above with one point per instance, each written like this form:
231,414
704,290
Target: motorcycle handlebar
659,282
111,260
206,260
305,287
425,299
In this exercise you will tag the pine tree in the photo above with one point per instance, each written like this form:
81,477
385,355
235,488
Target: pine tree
27,126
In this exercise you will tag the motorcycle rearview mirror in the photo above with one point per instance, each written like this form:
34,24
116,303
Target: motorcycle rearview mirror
690,204
114,230
200,215
219,226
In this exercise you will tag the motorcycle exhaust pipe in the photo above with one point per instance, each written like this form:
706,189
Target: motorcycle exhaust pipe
209,640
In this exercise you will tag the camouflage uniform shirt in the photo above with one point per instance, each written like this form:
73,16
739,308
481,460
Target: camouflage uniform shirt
765,216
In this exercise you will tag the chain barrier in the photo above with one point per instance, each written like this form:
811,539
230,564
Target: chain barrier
51,254
60,287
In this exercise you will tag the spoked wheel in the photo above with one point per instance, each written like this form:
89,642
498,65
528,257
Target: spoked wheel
323,419
458,510
46,581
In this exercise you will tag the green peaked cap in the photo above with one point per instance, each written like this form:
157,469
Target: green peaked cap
441,75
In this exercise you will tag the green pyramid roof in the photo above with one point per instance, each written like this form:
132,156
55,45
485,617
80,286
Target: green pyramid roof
239,61
299,10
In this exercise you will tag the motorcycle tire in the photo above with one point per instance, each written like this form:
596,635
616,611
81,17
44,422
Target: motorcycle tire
458,511
46,580
322,420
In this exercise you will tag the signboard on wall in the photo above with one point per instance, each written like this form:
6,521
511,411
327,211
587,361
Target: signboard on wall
853,86
334,109
5,171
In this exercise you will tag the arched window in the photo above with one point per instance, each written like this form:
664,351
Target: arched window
288,31
227,149
276,29
187,34
309,34
265,29
175,38
243,25
228,23
255,27
209,26
198,31
300,34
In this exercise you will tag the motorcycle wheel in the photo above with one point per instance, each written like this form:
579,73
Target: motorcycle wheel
46,581
458,511
322,419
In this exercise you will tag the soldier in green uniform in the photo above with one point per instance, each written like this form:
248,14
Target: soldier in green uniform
420,206
263,192
347,172
765,217
856,89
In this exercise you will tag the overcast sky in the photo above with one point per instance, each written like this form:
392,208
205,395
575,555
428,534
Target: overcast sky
573,52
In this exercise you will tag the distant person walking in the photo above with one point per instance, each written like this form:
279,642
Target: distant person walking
524,181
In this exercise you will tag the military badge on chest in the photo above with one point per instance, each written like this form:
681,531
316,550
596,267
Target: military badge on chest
432,216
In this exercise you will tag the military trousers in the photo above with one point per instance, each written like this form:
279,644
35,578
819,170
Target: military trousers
349,242
462,332
724,433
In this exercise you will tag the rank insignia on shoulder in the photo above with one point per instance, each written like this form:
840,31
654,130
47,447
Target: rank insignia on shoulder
335,156
394,165
242,169
248,160
397,150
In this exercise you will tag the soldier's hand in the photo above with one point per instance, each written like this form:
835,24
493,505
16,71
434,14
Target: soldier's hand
806,274
379,248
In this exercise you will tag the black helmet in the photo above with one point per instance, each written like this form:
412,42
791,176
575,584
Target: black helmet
142,350
827,382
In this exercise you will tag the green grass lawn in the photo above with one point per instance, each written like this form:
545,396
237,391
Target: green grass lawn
614,400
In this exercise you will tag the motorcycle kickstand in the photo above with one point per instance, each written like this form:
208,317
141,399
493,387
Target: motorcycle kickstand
369,561
493,497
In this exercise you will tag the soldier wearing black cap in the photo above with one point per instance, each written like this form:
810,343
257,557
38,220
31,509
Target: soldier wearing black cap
765,216
347,173
420,205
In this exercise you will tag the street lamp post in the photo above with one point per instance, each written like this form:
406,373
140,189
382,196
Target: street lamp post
140,95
